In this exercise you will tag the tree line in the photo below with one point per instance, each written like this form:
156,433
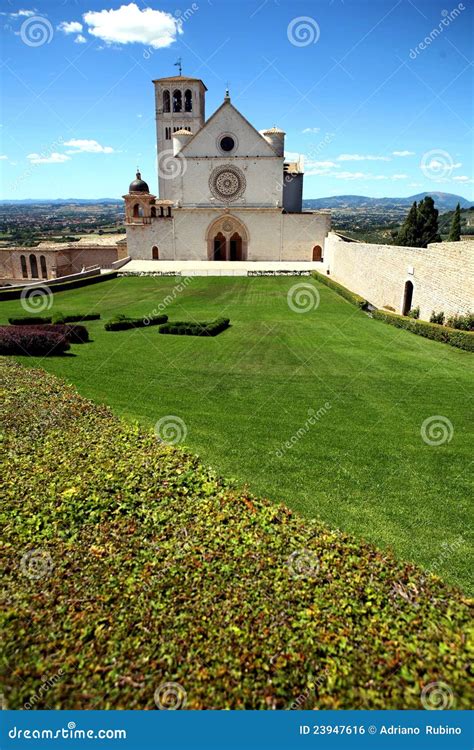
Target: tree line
420,228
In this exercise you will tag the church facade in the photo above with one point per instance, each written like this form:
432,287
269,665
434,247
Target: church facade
226,192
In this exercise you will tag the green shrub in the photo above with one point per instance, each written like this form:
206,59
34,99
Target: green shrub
354,299
437,318
123,322
461,322
414,313
460,339
186,328
29,320
73,334
151,568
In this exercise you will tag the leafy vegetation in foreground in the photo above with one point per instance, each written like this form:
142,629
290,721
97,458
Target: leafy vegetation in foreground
432,330
130,564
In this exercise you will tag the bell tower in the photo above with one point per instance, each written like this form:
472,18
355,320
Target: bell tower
179,105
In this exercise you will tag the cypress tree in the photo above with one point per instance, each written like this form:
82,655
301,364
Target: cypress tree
427,222
408,234
455,232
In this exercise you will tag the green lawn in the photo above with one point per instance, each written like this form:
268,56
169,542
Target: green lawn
363,467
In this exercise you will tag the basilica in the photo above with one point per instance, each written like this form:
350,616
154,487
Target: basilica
226,192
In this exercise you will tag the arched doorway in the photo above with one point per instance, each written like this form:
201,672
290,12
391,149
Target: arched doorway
235,247
219,247
407,298
155,253
317,253
227,239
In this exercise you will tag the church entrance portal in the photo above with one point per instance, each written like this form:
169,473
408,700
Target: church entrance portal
227,239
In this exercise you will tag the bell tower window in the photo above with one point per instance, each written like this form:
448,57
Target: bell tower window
188,100
166,101
177,101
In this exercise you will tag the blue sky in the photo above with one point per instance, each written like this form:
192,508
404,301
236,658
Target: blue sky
376,94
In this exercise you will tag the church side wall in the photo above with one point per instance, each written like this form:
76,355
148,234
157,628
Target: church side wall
301,232
442,274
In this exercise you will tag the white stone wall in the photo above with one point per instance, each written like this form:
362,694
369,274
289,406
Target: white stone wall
272,235
442,274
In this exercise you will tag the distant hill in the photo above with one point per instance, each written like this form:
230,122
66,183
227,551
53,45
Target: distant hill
443,201
62,201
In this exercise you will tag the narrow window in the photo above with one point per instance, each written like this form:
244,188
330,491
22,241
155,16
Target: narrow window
177,101
44,272
24,269
166,101
188,101
137,211
34,266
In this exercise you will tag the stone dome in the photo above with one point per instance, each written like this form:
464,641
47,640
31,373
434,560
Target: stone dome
138,185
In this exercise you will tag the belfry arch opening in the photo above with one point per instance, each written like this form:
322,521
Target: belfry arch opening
407,297
188,100
177,101
166,101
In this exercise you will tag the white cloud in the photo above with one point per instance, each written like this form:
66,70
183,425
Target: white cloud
440,164
3,157
80,39
70,27
463,178
324,164
403,153
53,158
88,146
311,130
360,157
129,24
19,14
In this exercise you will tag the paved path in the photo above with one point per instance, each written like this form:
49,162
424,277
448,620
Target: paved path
218,268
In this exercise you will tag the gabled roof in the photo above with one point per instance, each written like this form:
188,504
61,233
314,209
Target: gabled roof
227,103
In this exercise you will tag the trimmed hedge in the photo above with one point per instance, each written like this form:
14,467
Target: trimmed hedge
29,320
32,341
184,328
74,334
128,564
351,297
123,322
451,336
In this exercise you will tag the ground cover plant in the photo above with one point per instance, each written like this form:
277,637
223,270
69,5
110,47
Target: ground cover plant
122,322
130,564
190,328
252,402
432,330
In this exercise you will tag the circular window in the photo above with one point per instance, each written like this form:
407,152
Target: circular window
227,143
227,183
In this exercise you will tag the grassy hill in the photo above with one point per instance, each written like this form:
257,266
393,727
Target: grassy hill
247,397
129,565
